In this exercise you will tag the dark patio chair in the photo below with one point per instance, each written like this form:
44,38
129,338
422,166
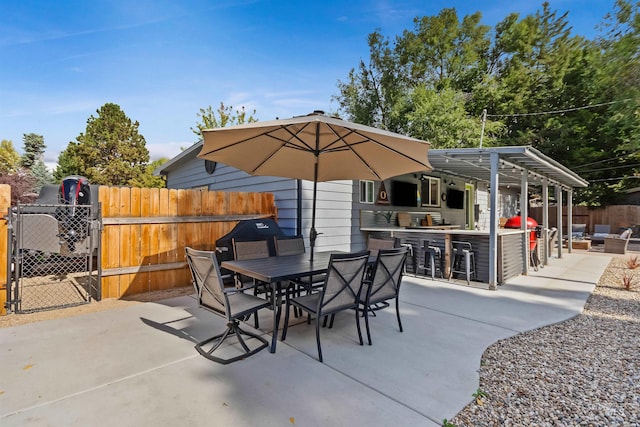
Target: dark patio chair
289,245
340,291
230,303
251,249
600,232
375,244
384,284
294,245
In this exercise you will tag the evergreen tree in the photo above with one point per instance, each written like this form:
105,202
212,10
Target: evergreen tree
33,149
42,175
110,152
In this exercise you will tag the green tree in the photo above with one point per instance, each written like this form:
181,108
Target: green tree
574,99
149,180
613,83
440,117
42,176
443,51
33,149
223,116
9,158
374,94
110,152
533,58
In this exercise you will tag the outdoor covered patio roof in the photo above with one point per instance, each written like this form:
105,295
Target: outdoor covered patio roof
475,164
517,166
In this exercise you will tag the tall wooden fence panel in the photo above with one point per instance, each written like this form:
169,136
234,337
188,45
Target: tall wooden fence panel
145,231
617,216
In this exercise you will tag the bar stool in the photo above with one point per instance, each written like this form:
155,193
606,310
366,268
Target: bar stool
409,247
433,260
462,253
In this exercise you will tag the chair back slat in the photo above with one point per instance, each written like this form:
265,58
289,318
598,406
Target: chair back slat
206,279
343,282
374,245
387,274
253,249
289,245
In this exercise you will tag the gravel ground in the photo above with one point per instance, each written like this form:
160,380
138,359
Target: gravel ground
582,372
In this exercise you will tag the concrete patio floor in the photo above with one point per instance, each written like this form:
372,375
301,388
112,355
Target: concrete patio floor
137,366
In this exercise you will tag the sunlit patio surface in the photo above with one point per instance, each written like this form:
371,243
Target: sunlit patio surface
138,365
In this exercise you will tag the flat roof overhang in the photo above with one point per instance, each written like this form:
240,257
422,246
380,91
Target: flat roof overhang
475,164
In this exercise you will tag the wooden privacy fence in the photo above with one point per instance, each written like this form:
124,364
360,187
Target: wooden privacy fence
145,231
617,216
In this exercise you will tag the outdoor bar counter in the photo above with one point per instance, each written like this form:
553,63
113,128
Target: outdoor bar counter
510,247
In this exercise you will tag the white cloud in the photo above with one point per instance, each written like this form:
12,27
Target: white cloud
168,150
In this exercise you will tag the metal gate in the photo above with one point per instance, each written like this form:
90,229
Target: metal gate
53,256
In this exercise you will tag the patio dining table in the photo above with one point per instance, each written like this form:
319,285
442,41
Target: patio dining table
279,270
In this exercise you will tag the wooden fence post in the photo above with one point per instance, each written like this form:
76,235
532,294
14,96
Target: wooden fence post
5,205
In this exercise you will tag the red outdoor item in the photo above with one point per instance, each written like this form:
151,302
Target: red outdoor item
516,222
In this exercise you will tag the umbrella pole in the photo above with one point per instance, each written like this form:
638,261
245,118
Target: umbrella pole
313,233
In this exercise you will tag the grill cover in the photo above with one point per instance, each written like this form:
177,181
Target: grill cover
532,224
246,230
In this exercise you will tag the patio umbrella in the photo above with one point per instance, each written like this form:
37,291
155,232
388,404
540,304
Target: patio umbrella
317,148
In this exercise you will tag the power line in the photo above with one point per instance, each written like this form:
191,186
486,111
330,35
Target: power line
609,168
605,160
613,179
558,111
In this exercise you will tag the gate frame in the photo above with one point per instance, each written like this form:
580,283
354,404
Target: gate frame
14,259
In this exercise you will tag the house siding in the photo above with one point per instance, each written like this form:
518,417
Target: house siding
508,203
333,206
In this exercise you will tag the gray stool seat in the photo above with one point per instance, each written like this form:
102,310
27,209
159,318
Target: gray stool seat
463,260
433,260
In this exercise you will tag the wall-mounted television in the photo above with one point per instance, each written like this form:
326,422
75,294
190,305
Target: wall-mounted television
404,193
455,199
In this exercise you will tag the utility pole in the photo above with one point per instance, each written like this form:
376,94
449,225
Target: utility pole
484,120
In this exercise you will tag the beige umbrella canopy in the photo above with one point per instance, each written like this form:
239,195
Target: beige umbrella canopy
317,148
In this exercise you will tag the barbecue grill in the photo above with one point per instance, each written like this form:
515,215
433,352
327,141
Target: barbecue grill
247,230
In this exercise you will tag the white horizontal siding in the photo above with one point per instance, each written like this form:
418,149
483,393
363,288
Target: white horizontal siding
333,214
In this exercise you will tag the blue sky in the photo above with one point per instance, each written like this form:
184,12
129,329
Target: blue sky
163,60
